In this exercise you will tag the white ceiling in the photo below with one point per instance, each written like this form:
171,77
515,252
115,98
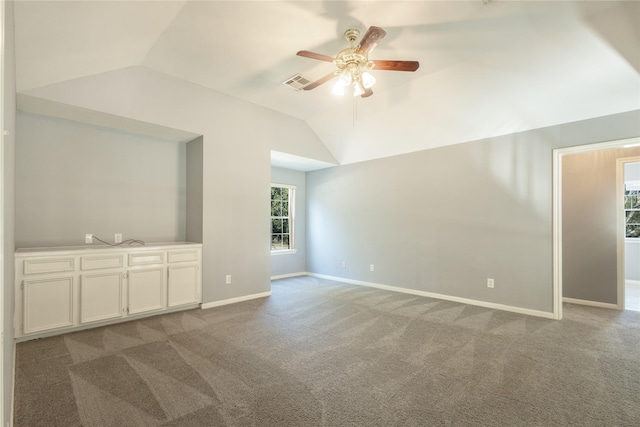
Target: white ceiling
487,68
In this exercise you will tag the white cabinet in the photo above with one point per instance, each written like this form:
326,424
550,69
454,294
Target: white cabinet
184,284
69,288
47,304
100,296
146,290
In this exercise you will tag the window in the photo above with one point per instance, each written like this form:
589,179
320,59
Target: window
632,209
282,208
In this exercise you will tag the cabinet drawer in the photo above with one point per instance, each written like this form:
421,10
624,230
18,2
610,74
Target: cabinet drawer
182,256
48,265
146,258
102,261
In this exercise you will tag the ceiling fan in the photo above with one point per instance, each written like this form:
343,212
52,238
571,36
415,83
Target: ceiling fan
354,64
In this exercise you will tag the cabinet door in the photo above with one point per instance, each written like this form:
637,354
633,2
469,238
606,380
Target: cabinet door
146,290
47,304
184,286
100,296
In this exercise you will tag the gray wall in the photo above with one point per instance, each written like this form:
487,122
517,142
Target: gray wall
589,224
73,178
284,264
446,219
8,236
194,190
237,141
632,246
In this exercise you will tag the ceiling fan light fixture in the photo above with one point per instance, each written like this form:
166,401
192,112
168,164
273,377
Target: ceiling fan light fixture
353,64
368,80
358,89
345,78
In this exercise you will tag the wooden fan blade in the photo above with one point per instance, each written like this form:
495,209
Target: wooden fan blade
382,64
370,39
314,55
367,93
318,82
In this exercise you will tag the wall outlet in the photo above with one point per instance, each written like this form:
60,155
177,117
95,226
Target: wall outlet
88,238
228,279
490,283
372,267
118,238
344,264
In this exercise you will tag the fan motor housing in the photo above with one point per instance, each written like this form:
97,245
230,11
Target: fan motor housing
348,57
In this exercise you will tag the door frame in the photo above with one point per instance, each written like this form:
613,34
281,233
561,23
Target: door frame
621,229
558,154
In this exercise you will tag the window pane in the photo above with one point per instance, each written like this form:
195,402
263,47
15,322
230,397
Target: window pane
285,208
275,208
285,241
633,217
285,226
276,193
284,194
633,230
276,226
276,242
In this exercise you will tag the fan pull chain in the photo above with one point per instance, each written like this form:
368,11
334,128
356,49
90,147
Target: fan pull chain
355,111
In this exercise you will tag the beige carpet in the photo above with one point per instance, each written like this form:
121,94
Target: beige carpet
322,353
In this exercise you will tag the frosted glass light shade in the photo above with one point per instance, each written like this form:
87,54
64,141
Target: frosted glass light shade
368,80
338,88
357,89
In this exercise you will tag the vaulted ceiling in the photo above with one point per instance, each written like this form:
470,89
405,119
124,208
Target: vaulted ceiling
487,67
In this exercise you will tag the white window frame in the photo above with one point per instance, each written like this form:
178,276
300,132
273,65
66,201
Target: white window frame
627,210
292,219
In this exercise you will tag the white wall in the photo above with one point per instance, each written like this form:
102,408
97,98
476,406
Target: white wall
73,178
292,263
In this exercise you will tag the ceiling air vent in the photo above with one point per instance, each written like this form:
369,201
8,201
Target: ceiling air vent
296,82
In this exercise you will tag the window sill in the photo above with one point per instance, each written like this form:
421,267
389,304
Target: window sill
284,252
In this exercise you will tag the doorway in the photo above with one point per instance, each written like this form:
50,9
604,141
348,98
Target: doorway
629,190
558,297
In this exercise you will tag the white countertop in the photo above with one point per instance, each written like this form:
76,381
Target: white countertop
103,248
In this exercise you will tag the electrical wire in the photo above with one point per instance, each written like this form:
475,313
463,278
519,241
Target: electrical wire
128,242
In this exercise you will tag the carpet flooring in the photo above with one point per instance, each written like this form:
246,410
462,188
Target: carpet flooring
321,353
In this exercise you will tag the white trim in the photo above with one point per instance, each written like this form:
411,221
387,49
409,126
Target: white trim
3,410
277,184
590,303
287,276
520,310
284,252
234,300
633,282
558,153
556,222
292,221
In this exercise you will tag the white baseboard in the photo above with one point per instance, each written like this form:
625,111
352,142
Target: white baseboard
590,303
287,276
235,300
520,310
